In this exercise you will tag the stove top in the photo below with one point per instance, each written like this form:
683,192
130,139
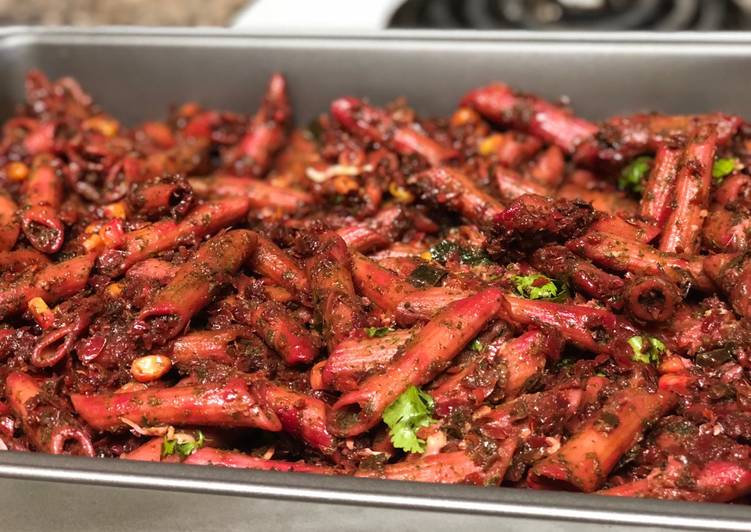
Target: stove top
595,15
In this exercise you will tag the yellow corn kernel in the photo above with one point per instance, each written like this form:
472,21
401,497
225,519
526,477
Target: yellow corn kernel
490,144
42,313
401,194
93,243
103,124
150,367
92,228
114,289
16,171
115,210
427,255
344,184
463,116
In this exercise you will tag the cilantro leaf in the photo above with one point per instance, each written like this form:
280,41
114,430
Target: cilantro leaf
377,332
647,350
538,287
478,346
633,175
184,448
722,168
425,275
410,411
445,249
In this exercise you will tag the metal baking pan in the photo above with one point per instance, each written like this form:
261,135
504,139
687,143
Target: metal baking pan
136,74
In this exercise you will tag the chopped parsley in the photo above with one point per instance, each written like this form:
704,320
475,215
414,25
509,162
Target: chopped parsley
647,350
723,167
633,175
184,448
538,286
445,249
411,411
478,346
377,332
426,275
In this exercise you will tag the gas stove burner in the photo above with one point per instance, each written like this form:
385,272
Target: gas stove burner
595,15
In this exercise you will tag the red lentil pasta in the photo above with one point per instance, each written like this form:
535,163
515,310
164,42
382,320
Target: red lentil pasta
508,296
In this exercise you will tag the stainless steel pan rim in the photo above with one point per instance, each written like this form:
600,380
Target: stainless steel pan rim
540,505
509,502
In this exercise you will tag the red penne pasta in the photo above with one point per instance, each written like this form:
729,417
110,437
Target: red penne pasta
659,190
436,344
585,460
498,103
259,194
234,404
332,289
623,255
449,187
56,432
272,262
10,227
194,285
683,226
282,333
40,218
457,467
301,416
216,457
589,328
164,235
353,359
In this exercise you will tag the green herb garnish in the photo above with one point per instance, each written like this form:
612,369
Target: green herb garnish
538,286
633,175
647,350
425,275
722,168
411,411
377,332
478,346
185,448
445,249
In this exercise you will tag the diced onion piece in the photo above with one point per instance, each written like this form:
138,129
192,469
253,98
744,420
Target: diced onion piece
320,176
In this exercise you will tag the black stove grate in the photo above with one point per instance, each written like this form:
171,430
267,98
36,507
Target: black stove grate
595,15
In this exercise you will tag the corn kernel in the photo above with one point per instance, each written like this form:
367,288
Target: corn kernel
150,367
490,144
115,210
344,184
463,116
93,243
17,171
427,255
92,228
42,313
114,289
104,125
401,194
